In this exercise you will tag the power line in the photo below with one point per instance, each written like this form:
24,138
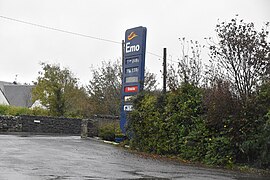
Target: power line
153,54
173,61
59,30
70,32
160,56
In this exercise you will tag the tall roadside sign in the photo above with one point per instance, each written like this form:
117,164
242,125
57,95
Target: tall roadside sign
133,70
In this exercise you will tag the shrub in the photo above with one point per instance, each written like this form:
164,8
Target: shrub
144,124
17,111
213,127
165,131
110,130
194,144
219,151
256,147
254,142
107,132
265,151
3,109
14,111
39,112
183,110
220,104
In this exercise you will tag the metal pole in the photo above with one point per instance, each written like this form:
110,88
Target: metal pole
164,69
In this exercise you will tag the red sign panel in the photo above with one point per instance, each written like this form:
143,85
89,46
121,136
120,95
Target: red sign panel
131,89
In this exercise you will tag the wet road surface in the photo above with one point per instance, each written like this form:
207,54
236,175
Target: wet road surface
70,157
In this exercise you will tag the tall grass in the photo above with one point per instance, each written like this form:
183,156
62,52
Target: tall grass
17,111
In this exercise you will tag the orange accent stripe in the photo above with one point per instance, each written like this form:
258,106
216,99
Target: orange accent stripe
132,35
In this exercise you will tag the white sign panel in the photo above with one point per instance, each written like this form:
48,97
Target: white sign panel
132,79
128,107
128,98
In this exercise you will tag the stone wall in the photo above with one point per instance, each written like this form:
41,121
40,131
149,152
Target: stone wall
104,120
54,125
50,125
46,125
10,124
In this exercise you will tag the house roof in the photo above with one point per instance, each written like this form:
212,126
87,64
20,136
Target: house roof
3,99
17,94
2,83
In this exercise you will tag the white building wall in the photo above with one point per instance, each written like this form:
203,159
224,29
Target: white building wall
37,104
3,100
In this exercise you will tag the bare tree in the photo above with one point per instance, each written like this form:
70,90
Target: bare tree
105,87
150,81
243,54
189,66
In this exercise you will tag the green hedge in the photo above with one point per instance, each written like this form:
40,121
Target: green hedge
186,125
16,111
109,131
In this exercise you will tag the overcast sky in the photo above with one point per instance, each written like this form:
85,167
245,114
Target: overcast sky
23,47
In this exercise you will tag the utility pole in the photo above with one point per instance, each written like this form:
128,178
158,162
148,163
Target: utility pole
164,69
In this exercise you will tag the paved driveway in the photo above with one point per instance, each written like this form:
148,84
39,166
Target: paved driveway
69,157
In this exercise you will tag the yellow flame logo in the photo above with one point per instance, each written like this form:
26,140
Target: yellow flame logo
132,36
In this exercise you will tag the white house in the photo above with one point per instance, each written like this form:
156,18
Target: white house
3,99
37,104
15,94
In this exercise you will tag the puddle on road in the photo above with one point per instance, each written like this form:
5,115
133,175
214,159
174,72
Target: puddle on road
252,178
153,178
141,176
146,178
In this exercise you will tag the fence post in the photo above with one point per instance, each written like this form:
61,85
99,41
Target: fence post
84,129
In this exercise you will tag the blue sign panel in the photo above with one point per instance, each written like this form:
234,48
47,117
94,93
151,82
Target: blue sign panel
133,70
